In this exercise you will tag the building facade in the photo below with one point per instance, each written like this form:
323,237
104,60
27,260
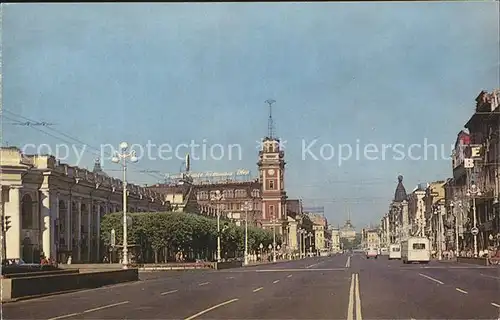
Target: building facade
484,151
55,209
335,239
348,231
435,211
320,228
371,238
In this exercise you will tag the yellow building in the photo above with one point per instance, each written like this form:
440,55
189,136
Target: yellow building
435,211
372,239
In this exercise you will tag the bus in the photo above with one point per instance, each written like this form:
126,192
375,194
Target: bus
415,249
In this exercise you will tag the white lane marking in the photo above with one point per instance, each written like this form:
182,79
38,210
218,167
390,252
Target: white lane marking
203,283
289,276
348,262
460,290
358,300
168,292
276,281
258,289
106,306
64,316
488,276
230,278
211,308
495,305
350,306
431,278
312,265
293,270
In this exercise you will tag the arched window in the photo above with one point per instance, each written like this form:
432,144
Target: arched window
27,212
255,193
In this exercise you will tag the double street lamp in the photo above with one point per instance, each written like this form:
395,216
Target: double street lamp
274,239
439,240
474,192
218,196
121,157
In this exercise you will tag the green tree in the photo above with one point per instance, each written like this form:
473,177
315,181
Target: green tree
193,234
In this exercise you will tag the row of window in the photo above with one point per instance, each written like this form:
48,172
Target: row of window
228,194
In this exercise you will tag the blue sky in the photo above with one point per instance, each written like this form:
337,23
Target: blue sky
382,73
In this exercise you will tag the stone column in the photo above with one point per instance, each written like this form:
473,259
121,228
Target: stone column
55,236
13,235
47,219
68,236
78,230
90,211
98,231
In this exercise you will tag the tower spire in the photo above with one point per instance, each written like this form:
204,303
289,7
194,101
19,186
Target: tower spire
270,123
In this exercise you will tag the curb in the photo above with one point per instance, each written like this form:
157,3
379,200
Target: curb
42,295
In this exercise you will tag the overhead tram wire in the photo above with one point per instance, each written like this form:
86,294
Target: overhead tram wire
146,171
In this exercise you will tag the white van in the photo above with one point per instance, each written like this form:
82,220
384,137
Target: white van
384,251
415,249
394,251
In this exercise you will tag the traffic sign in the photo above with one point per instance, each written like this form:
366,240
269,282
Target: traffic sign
474,231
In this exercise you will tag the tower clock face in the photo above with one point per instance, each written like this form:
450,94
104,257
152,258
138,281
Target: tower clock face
270,172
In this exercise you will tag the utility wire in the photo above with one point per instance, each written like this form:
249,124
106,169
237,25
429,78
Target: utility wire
145,170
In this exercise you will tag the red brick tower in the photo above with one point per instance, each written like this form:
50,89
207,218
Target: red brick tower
272,172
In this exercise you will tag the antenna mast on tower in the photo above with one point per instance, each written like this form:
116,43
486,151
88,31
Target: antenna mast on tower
270,124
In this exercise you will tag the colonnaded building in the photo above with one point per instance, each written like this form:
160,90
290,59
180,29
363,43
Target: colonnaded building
55,209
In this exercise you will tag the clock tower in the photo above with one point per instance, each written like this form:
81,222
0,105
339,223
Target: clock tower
271,166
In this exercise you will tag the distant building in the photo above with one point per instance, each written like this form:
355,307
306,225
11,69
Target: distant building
348,231
320,226
371,238
198,198
335,239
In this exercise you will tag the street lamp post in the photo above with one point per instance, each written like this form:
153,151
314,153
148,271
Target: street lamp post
121,157
274,239
218,197
439,238
246,207
474,191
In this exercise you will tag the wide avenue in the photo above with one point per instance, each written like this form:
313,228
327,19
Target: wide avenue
337,287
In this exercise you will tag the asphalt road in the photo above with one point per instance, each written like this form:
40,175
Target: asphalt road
339,287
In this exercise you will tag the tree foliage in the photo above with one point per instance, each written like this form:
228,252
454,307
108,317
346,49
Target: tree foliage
189,233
